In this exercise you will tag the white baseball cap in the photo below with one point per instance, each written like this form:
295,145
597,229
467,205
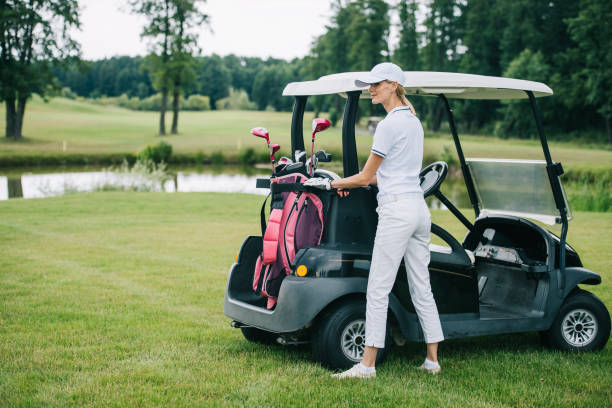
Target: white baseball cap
384,71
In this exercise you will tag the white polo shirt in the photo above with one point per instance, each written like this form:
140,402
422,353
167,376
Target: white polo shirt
399,140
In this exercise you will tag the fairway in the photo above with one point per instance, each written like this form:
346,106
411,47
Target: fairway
84,128
116,299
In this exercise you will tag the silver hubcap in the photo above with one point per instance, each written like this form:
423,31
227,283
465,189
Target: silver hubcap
579,327
353,340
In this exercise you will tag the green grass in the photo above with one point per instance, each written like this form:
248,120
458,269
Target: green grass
95,129
116,299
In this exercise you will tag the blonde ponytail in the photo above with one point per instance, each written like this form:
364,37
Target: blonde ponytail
399,91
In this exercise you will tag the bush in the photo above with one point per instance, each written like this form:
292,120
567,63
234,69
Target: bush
217,158
196,103
334,116
247,157
153,102
237,100
67,93
157,154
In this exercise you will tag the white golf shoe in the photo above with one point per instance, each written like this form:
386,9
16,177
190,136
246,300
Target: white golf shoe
433,370
355,372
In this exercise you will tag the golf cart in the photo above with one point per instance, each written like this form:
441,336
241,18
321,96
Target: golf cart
508,275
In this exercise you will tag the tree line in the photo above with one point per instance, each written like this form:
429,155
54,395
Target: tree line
565,44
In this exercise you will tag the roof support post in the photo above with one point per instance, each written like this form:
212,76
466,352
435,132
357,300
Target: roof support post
464,168
554,172
297,125
349,146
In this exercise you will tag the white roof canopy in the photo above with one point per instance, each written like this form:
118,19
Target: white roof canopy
452,85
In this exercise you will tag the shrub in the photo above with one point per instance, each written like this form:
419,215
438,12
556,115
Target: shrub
334,116
157,154
196,103
237,100
217,158
247,157
67,93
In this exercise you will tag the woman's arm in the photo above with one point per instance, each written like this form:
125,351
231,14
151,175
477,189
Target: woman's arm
365,178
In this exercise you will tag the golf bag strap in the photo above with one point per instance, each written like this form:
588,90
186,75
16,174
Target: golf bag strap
263,216
262,183
286,188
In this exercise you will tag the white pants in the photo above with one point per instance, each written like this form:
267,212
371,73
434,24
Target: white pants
404,226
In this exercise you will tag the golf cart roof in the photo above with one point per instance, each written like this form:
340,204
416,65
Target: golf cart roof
450,84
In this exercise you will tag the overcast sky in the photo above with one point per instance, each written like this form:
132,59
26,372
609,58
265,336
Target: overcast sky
262,28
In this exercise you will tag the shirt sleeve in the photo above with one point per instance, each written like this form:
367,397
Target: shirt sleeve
383,139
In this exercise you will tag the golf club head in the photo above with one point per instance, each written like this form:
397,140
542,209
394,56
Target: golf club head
319,125
275,148
294,167
282,164
315,163
261,132
323,156
285,160
300,156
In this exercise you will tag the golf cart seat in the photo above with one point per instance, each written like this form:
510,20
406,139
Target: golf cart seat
452,255
441,249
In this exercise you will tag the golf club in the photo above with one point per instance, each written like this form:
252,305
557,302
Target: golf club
318,125
273,149
263,133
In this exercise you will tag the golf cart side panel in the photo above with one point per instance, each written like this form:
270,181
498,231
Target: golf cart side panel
300,300
575,276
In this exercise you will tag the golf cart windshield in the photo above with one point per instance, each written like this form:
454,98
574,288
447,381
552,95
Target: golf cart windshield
515,187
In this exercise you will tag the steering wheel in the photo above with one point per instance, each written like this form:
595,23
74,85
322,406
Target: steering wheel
432,176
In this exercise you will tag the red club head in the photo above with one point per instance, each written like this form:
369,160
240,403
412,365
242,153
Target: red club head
275,148
319,125
261,132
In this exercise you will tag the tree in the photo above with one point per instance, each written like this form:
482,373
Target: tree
483,23
517,115
268,87
186,16
592,33
171,61
443,32
34,34
369,33
406,54
214,78
159,30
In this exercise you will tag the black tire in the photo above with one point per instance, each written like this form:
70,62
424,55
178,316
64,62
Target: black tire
255,335
327,337
583,324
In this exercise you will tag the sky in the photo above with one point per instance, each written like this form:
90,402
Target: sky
263,28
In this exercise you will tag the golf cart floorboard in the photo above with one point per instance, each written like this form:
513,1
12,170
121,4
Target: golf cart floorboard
492,312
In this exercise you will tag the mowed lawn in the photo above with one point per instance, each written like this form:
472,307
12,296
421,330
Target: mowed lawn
116,299
93,129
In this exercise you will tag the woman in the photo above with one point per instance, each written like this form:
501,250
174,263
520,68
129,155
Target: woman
404,222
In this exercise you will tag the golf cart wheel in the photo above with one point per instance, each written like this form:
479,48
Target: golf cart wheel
583,324
338,341
255,335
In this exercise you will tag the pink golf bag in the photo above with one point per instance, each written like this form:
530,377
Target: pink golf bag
296,221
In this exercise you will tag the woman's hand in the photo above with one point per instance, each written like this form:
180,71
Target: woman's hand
342,192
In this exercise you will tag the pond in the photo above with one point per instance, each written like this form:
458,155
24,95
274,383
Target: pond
46,182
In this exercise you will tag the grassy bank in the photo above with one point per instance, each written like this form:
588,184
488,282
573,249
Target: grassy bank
115,299
74,131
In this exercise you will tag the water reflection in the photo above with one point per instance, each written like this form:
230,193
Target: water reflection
4,193
56,184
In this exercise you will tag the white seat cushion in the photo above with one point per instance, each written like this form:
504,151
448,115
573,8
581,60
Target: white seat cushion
443,249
